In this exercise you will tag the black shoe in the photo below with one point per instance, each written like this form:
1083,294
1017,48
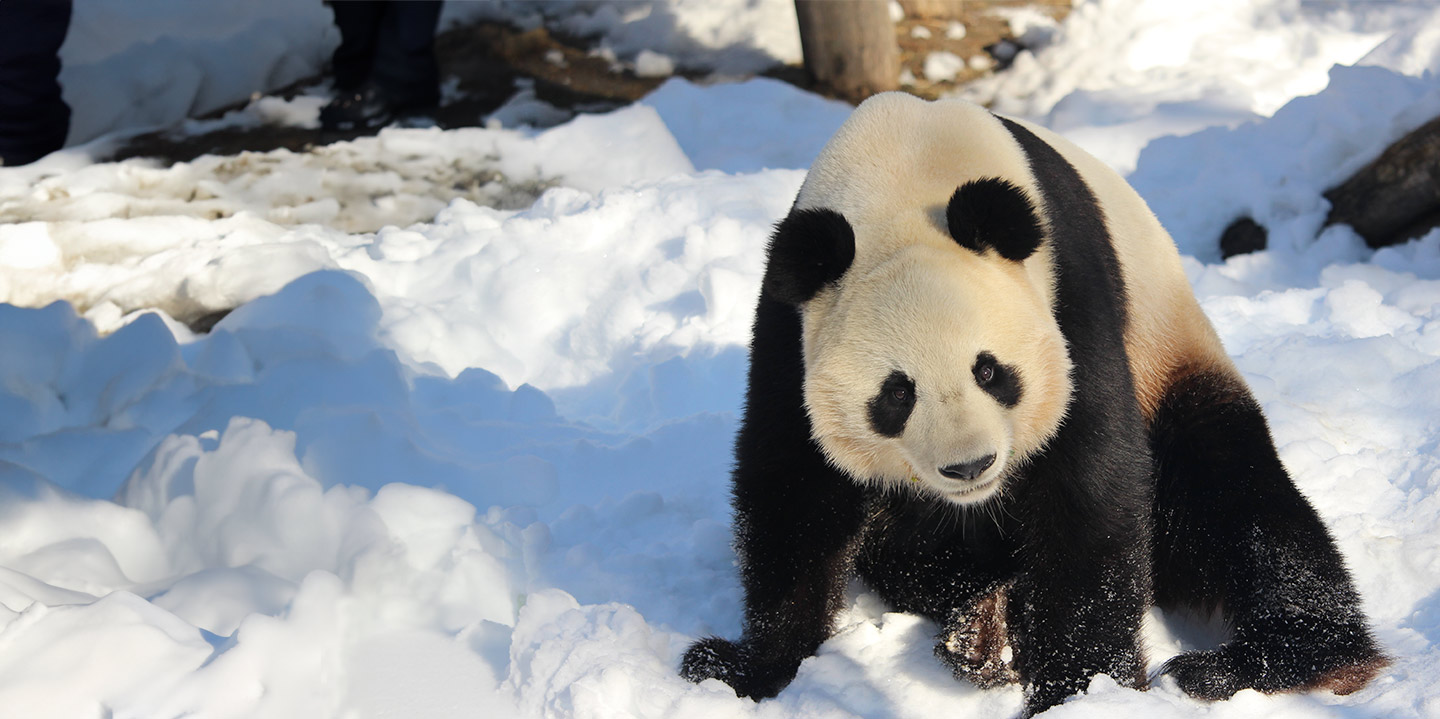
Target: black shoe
362,109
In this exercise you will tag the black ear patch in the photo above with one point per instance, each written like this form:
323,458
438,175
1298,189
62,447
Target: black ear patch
810,248
994,214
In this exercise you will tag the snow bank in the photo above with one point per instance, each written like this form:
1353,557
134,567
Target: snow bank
128,64
257,551
263,526
747,126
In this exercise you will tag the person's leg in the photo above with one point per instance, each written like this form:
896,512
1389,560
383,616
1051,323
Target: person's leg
405,66
34,119
359,22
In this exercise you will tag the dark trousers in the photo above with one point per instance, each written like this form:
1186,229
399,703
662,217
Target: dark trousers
391,44
33,117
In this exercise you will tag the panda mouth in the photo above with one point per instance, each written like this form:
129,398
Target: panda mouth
970,491
973,488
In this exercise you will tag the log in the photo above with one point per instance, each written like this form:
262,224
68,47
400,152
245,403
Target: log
850,46
1396,197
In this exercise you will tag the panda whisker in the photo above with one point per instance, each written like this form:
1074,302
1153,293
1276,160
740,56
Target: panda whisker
947,513
998,508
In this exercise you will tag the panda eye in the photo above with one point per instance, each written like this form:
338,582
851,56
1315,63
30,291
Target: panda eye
899,394
985,373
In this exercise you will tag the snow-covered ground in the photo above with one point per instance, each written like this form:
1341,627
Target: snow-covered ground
453,460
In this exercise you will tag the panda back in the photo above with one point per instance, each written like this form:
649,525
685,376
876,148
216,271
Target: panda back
1167,335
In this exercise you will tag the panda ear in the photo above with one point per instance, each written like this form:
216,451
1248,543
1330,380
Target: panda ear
994,214
810,248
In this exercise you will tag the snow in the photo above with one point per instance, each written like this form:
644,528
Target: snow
136,64
730,37
1119,73
942,66
462,449
653,64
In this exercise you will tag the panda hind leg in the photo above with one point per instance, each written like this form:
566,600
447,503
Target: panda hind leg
1231,530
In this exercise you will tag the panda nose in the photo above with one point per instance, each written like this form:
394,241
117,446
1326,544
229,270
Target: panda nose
968,470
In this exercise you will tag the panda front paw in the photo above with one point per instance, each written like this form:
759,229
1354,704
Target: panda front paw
716,658
712,658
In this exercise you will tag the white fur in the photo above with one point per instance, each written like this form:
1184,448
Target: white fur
917,302
926,312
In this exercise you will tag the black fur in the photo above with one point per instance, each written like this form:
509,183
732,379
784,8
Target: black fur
891,406
809,249
1232,531
994,213
1110,516
797,522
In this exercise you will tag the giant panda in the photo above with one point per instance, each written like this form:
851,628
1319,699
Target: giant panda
979,381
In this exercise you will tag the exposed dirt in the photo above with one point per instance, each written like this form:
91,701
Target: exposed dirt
486,60
985,31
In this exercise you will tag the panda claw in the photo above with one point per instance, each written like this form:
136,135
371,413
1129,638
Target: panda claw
1209,675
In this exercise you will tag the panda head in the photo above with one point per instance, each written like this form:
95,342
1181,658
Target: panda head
937,364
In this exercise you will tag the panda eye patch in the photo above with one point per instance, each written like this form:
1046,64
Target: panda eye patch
891,406
1000,381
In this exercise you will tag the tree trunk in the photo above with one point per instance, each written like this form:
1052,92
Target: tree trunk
849,46
1397,196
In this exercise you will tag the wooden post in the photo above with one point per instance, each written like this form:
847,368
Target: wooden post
849,46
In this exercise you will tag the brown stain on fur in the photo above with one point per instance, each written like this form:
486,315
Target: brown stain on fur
1348,679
